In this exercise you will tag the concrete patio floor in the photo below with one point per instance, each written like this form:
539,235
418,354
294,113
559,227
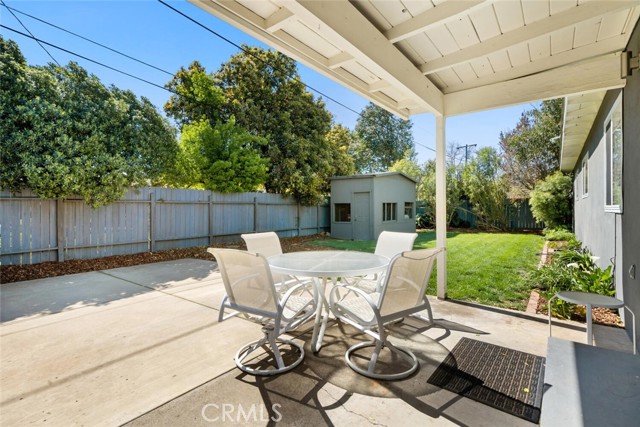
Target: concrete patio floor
142,346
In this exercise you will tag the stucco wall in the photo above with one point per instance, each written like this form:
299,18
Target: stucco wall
608,234
631,183
598,230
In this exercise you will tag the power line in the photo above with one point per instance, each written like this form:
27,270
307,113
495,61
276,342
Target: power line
246,51
88,59
265,62
27,30
11,9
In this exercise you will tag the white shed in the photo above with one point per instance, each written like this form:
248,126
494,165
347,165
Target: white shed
362,206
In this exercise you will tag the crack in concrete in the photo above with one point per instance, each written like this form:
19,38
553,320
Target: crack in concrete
343,406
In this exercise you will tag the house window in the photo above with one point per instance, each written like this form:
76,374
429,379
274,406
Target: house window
585,176
342,212
613,167
389,211
408,210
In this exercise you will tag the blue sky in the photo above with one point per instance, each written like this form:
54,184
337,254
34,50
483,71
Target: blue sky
153,33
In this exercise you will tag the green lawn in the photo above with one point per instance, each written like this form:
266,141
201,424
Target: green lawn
486,268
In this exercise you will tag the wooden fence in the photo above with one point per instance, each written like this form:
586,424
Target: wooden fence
34,230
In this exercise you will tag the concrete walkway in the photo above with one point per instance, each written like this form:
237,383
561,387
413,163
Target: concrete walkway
142,345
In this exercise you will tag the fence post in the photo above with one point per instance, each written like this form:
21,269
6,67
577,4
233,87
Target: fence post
152,219
210,224
255,214
60,228
298,218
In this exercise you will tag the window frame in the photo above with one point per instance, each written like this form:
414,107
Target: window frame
335,212
393,211
609,158
585,176
411,210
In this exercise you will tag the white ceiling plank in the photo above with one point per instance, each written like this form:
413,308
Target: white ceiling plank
424,47
523,34
449,77
572,56
482,66
540,48
587,32
434,16
519,54
442,40
342,24
485,22
465,72
393,11
463,32
557,6
535,11
416,7
500,61
379,85
372,14
613,24
509,15
600,73
562,40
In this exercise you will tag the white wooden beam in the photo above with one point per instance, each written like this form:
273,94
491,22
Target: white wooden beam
441,206
429,18
245,20
277,20
344,26
609,45
379,85
539,28
601,73
339,60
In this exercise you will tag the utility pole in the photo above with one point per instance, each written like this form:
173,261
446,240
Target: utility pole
466,151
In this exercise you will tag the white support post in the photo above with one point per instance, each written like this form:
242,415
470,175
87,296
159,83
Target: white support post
441,205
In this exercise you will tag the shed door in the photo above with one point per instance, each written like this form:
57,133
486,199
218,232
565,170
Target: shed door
362,216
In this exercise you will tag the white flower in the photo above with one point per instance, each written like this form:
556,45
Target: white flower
573,265
595,258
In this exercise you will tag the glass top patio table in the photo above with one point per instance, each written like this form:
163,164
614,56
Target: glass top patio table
326,265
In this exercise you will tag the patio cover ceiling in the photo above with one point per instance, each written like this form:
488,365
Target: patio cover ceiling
446,57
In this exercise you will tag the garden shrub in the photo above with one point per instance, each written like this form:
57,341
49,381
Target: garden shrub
571,269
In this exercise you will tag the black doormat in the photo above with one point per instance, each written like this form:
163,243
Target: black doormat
508,380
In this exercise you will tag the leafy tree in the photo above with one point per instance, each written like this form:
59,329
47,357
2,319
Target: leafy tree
64,133
532,150
195,96
220,158
551,200
409,167
427,189
263,92
384,139
486,187
341,139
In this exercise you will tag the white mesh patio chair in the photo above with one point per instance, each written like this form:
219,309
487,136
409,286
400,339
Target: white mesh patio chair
251,294
268,244
402,294
389,244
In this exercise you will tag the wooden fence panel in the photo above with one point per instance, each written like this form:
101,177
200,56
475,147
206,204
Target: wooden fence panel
34,230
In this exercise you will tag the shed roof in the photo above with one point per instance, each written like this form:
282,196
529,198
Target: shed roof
374,175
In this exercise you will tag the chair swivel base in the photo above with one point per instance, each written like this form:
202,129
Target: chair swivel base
247,349
407,355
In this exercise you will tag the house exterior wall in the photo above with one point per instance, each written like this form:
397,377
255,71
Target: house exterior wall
631,189
615,234
596,229
394,189
383,188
